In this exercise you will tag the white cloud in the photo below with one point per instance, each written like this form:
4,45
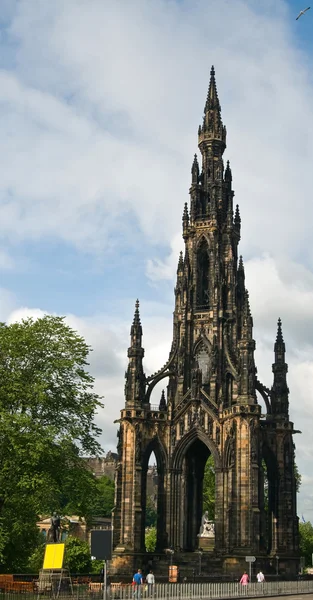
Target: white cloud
99,118
158,269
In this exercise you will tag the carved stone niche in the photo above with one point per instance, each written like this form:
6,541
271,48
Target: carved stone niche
203,358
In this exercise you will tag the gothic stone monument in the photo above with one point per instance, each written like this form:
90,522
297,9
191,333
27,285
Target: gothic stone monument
211,405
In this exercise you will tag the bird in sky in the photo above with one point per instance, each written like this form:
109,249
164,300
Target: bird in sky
302,12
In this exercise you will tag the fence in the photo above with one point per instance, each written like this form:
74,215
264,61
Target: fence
174,591
195,591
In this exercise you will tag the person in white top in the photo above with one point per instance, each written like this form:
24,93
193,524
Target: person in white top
260,577
150,581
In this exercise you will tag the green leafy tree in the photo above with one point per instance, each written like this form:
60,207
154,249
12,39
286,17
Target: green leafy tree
306,542
209,488
96,566
77,557
47,410
151,514
35,560
150,539
102,501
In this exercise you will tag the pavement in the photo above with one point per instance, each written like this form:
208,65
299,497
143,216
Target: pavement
288,597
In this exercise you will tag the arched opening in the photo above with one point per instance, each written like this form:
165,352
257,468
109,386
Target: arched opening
199,494
263,401
159,395
203,275
151,504
153,498
268,500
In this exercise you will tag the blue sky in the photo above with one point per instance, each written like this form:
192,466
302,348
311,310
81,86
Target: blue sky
99,108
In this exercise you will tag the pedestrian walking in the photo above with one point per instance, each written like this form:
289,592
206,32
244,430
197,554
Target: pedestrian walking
260,577
150,580
244,579
137,583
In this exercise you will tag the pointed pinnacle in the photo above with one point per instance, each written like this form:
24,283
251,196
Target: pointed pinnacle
195,170
247,304
240,265
279,336
195,161
212,101
162,404
237,214
180,262
185,213
228,175
136,320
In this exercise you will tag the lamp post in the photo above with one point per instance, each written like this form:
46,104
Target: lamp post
277,559
171,556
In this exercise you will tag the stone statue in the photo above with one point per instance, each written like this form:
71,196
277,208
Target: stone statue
55,527
196,380
207,527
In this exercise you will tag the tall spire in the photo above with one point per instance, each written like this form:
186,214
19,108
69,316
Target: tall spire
135,377
195,171
240,265
279,336
247,323
279,346
136,329
228,175
180,266
212,101
280,391
185,221
212,128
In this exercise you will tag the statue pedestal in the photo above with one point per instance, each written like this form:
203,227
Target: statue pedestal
206,544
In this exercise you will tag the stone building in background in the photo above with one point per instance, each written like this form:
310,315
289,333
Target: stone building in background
213,400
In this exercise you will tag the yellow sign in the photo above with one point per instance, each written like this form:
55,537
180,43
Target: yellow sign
54,555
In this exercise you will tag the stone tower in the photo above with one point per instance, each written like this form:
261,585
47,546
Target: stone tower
211,405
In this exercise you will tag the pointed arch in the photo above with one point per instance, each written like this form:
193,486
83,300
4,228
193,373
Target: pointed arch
155,380
188,439
203,269
202,339
229,452
203,239
202,354
156,447
260,388
269,492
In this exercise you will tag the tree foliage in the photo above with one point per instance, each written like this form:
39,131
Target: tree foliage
306,542
151,513
47,410
35,560
102,501
298,477
150,539
77,557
